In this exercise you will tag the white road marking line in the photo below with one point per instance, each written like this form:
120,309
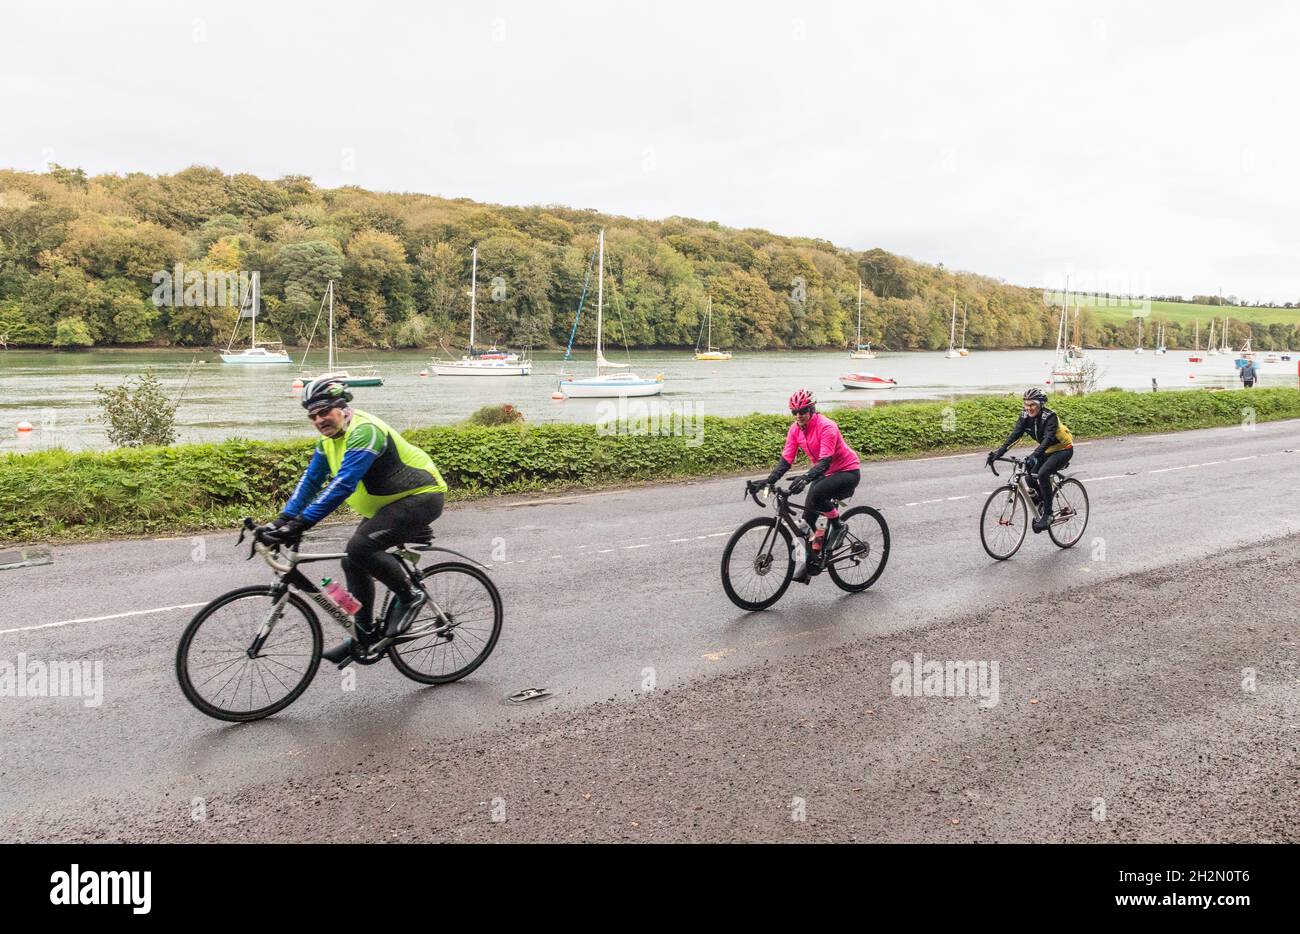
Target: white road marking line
1114,476
675,541
1249,457
604,551
1167,469
951,498
100,619
630,547
716,535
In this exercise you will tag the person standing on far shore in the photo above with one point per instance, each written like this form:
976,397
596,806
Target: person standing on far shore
1248,376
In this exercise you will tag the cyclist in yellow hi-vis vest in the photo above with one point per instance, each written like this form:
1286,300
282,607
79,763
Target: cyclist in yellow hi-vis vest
1055,448
393,484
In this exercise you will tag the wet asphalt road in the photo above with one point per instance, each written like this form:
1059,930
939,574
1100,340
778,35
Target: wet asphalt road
609,593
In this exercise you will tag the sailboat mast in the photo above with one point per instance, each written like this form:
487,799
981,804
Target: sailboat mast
709,346
952,330
473,289
859,312
600,298
329,367
254,339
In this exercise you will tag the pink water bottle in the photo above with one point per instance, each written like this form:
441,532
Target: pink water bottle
339,594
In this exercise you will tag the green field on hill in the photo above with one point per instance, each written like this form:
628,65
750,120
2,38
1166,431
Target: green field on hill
1118,310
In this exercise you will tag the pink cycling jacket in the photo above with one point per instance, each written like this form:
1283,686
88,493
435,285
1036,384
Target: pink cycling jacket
821,439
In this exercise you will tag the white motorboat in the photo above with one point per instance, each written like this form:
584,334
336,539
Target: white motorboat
866,381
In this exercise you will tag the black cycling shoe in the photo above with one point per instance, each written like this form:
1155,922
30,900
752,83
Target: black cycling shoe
1042,524
341,652
344,651
403,612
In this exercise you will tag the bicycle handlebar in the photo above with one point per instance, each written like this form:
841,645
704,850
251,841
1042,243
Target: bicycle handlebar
1010,460
751,492
270,555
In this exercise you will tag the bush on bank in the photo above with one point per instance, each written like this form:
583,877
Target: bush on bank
168,490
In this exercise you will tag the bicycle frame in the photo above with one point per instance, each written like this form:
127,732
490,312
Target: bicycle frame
1020,478
785,510
288,577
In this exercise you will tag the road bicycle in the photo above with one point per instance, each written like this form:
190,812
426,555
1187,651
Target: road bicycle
251,652
1010,509
760,558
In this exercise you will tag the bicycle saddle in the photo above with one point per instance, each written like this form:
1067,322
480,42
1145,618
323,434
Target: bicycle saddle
421,541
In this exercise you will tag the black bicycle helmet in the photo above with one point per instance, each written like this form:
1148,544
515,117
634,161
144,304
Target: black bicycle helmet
324,393
1034,394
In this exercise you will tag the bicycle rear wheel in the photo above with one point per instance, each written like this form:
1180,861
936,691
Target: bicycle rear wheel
1069,513
859,559
758,563
439,650
1003,522
215,670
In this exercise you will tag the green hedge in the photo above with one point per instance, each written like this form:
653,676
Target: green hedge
58,495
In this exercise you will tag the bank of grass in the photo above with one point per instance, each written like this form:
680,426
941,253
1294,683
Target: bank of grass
61,496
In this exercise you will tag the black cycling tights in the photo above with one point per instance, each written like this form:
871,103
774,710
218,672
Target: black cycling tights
1042,477
823,493
395,524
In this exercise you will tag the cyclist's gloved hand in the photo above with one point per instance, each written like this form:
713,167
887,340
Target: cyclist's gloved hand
287,532
1031,462
797,485
993,455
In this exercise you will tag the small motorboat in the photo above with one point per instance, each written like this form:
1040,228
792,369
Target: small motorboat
866,381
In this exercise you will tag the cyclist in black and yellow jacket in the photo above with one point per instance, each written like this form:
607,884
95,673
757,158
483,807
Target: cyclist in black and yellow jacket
1055,448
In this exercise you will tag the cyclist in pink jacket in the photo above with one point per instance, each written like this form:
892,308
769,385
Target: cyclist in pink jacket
835,468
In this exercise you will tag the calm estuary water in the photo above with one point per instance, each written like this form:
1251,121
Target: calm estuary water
55,390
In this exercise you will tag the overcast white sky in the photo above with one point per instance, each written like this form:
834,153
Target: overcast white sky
1143,146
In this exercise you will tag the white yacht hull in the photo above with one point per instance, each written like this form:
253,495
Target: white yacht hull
481,368
610,387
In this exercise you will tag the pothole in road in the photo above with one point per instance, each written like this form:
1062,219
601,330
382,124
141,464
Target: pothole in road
528,695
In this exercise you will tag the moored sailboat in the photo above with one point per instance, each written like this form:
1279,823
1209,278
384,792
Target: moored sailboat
604,385
256,353
490,362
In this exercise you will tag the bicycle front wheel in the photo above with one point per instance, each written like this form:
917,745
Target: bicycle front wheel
859,559
221,675
758,563
1069,513
441,649
1003,522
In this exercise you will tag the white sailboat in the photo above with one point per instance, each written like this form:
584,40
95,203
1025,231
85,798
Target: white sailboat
1068,368
1160,340
607,385
356,376
1225,347
490,362
860,350
256,353
710,352
952,331
1211,348
1138,348
962,351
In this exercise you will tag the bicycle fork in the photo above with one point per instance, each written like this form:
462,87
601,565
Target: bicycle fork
268,625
